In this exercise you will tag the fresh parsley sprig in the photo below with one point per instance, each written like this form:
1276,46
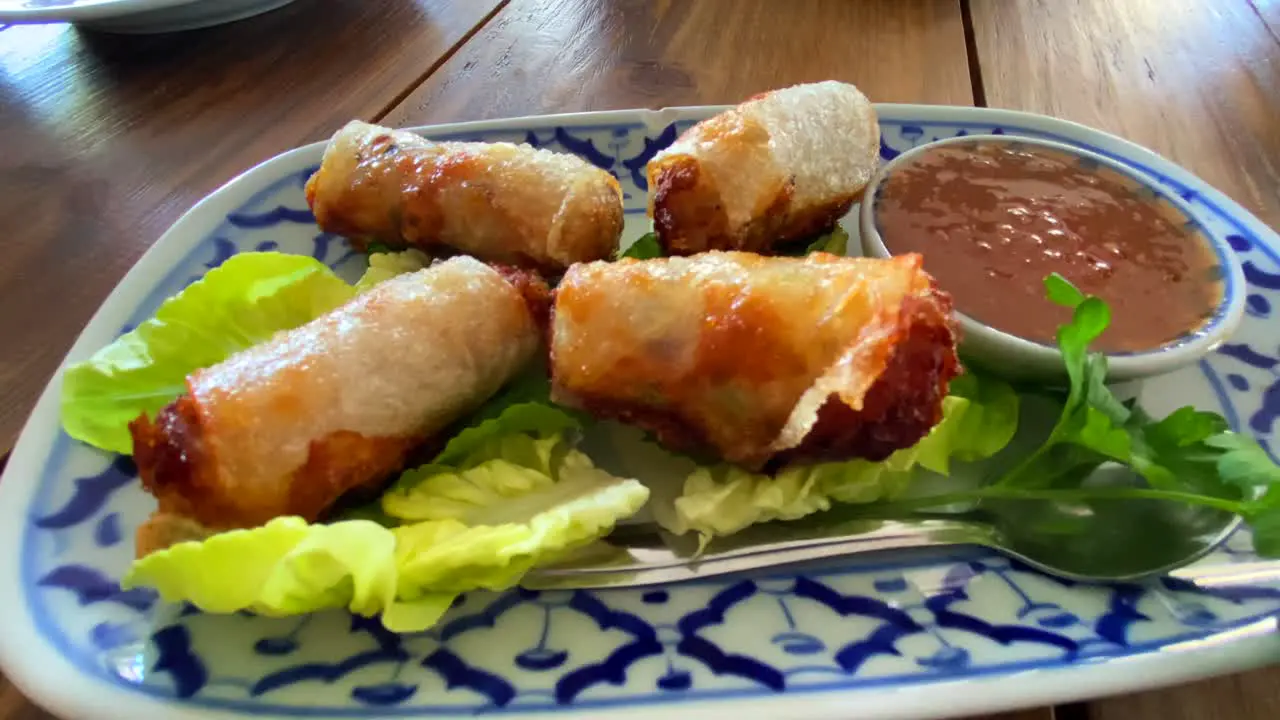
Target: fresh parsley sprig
1191,456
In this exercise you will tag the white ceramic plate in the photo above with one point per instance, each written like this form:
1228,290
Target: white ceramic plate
894,635
135,16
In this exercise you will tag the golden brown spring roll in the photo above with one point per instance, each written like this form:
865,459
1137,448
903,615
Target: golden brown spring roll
288,426
497,201
782,166
759,359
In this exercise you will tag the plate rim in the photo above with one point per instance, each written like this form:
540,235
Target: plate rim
87,13
39,669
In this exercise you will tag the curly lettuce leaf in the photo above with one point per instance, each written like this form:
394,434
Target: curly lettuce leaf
289,567
492,545
523,407
388,264
242,302
503,468
977,430
645,247
537,497
720,500
481,528
475,443
835,242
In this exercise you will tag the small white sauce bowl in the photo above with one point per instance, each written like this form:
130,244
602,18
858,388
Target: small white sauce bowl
1018,358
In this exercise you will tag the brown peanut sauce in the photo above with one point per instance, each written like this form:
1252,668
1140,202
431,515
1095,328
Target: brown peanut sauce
993,219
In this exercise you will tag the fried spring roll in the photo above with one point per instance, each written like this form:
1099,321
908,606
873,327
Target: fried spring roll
759,359
497,201
782,166
288,426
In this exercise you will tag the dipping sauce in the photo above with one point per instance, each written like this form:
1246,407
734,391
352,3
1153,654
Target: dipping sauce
993,219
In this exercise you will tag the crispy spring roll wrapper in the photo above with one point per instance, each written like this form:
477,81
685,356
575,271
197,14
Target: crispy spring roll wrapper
782,166
289,426
497,201
760,359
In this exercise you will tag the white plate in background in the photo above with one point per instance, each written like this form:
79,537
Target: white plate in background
135,16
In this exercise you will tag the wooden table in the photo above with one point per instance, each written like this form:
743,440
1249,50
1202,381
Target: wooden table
106,141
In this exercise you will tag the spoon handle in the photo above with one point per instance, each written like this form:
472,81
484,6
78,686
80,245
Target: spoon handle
642,555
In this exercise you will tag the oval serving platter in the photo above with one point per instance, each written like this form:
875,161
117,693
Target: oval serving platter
965,630
135,16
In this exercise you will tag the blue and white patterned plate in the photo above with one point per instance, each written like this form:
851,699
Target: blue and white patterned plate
135,16
964,630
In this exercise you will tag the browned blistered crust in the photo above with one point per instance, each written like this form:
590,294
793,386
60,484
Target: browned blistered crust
906,400
180,468
689,217
395,188
901,405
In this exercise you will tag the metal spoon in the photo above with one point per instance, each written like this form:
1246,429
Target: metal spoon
1111,541
1108,540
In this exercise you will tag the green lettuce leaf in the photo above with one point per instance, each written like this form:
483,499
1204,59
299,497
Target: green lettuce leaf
480,528
977,422
523,408
980,429
388,264
835,242
289,567
492,527
504,467
645,247
242,302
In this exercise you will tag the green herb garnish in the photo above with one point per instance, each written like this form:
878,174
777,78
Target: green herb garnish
1190,456
835,242
646,247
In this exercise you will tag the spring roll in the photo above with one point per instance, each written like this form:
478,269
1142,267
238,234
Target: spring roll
761,359
289,426
780,167
497,201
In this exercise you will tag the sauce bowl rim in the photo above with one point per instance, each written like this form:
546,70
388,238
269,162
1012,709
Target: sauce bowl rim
1225,319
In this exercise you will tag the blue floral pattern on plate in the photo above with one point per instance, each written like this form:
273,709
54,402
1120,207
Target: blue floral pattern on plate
873,621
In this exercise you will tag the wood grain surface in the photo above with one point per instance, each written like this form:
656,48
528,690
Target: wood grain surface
13,706
1246,696
108,139
544,56
1196,81
1269,11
